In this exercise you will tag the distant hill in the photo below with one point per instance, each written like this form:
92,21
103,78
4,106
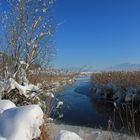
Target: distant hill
124,67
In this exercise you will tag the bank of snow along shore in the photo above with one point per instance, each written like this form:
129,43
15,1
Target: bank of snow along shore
69,132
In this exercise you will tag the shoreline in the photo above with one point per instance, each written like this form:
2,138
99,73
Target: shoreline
87,133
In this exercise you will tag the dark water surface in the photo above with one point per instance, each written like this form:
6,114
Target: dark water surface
83,109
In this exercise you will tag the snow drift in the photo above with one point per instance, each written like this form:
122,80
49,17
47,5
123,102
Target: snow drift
19,123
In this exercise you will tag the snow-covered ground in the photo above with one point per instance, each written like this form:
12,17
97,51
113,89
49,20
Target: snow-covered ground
67,132
67,135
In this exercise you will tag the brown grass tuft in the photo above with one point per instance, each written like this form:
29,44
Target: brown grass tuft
43,135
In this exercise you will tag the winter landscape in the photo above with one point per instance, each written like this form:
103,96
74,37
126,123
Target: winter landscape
69,70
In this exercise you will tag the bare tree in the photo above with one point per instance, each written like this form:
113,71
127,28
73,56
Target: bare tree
28,26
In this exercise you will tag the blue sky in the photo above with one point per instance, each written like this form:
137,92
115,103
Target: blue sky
97,33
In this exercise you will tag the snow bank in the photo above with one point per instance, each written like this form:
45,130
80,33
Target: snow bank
67,135
21,123
6,104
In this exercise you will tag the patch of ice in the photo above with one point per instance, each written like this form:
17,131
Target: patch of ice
59,104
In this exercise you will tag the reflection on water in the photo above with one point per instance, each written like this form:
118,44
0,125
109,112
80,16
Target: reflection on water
81,108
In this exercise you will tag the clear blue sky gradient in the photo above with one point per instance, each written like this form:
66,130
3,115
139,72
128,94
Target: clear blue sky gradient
97,33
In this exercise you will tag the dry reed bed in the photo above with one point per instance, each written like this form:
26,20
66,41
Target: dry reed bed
48,78
122,79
